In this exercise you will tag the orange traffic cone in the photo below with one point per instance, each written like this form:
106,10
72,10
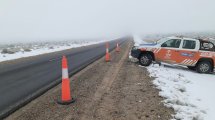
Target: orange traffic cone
117,47
65,90
107,56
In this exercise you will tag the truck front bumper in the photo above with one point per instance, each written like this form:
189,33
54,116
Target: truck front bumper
135,53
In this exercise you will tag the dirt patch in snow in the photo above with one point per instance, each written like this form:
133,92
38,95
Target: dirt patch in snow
118,90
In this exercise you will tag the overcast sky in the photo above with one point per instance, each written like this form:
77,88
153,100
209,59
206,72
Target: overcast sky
25,20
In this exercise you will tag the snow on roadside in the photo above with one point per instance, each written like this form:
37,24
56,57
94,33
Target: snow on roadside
46,49
189,93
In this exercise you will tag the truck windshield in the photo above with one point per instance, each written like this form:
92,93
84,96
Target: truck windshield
162,40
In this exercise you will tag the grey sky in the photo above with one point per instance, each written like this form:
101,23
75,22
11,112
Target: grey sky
24,20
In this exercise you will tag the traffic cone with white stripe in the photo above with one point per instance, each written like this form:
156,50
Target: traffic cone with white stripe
65,90
117,47
107,56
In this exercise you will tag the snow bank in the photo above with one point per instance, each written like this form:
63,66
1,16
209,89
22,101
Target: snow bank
189,93
45,49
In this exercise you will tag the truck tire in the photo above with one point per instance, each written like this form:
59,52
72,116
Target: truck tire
191,67
145,59
204,67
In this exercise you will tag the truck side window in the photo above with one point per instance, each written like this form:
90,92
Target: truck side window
189,44
173,43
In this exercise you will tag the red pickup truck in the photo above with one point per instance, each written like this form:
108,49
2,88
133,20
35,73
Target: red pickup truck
196,54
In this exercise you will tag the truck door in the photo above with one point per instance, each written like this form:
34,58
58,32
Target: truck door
168,51
187,55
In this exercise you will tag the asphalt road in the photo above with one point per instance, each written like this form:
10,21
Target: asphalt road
25,79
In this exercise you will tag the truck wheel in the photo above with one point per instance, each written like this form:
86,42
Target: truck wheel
204,67
191,67
145,59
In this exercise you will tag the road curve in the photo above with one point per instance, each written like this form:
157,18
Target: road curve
23,80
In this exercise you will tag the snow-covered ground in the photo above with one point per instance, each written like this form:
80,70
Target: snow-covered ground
32,49
189,93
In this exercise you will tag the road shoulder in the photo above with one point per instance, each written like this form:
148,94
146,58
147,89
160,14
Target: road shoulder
115,90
